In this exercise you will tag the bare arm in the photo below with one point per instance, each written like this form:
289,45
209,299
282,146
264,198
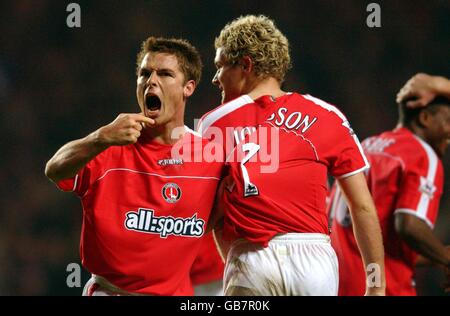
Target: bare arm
217,211
420,237
73,156
367,231
422,89
215,222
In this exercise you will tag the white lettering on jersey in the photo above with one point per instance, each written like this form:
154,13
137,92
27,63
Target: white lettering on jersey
239,134
292,121
144,221
377,145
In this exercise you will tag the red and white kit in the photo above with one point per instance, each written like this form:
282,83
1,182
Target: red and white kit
227,124
313,139
143,214
406,176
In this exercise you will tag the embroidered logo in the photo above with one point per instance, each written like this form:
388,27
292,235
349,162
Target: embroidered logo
427,187
165,162
171,192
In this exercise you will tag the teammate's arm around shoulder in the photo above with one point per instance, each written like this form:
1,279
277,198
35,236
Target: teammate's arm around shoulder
73,156
367,231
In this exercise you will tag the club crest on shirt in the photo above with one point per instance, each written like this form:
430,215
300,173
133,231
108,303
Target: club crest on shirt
427,187
171,192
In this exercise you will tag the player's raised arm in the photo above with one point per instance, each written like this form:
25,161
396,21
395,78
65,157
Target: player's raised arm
422,89
73,156
367,231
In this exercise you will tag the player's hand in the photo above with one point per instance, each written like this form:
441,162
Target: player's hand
124,130
419,90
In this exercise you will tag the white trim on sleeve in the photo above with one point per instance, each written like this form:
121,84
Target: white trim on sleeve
345,123
353,172
416,214
424,202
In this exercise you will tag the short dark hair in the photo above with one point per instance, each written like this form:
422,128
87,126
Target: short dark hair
187,55
408,115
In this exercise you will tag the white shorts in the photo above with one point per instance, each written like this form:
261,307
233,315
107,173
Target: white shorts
292,264
214,288
99,286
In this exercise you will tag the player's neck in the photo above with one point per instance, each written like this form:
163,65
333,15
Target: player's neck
167,134
418,131
266,86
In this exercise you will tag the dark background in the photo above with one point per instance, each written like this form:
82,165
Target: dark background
58,84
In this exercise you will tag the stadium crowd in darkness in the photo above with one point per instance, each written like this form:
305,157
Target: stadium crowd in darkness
57,84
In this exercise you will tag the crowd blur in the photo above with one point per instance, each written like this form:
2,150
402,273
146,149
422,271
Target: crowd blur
59,83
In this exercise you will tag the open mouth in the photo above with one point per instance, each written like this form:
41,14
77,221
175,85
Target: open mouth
152,102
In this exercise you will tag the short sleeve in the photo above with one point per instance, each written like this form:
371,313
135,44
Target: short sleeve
421,189
343,151
82,181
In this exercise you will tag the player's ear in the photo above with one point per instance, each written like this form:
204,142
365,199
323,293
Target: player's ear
189,88
247,63
425,119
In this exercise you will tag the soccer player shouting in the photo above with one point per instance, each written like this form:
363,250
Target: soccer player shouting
144,209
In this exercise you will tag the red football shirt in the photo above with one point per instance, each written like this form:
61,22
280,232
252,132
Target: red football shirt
406,176
144,211
312,138
228,124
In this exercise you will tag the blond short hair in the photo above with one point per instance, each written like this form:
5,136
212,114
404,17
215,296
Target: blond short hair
258,38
